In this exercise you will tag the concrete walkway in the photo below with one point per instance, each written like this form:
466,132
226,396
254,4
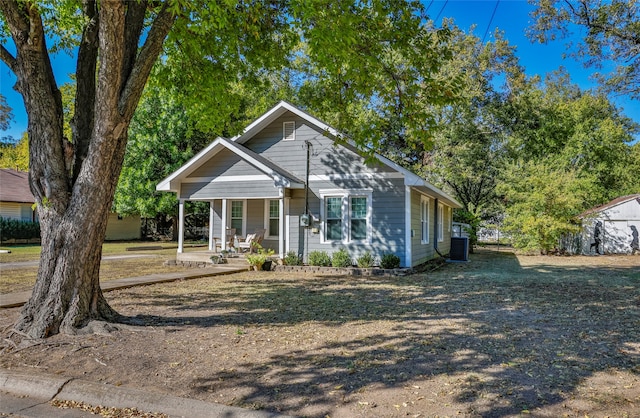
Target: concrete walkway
11,300
34,263
29,394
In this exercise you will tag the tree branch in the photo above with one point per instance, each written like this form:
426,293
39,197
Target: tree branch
8,59
83,119
134,23
136,81
17,18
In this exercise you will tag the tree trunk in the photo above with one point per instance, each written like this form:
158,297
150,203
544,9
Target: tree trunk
67,292
75,193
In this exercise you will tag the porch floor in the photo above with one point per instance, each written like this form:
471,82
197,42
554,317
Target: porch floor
204,256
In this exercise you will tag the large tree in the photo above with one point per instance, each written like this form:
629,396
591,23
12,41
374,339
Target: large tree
73,179
611,35
206,46
467,156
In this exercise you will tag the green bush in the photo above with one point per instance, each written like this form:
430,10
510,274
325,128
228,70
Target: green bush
319,258
341,258
13,228
365,260
292,259
390,261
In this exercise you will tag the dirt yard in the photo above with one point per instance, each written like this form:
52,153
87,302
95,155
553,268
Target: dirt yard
501,336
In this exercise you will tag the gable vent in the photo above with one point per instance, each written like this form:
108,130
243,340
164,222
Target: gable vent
289,131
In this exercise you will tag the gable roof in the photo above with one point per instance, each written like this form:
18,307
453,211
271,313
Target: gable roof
14,186
278,174
410,179
615,202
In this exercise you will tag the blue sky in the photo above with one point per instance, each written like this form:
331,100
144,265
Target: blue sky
511,16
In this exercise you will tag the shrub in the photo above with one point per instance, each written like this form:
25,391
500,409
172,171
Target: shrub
341,258
292,259
390,261
259,258
13,228
319,258
365,260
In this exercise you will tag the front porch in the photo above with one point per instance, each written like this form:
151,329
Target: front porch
236,224
200,256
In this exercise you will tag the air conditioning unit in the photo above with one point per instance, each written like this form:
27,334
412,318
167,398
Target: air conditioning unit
459,249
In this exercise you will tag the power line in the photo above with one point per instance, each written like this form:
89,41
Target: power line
490,20
441,10
429,6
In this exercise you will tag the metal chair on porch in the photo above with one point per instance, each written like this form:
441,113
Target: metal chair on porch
250,242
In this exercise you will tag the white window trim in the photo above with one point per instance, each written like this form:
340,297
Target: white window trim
346,196
440,222
424,223
292,137
267,218
244,214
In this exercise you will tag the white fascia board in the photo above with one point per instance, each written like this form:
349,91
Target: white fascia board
411,179
166,186
274,113
281,180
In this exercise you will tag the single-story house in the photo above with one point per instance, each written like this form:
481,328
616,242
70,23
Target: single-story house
612,228
308,188
17,202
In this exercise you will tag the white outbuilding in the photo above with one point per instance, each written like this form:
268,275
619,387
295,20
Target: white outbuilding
612,228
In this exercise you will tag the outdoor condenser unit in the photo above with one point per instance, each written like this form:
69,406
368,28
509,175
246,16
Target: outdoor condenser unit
459,249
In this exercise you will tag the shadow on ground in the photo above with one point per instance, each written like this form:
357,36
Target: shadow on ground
514,338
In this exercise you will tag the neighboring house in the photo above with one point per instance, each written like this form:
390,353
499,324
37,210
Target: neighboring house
257,180
618,222
123,228
16,202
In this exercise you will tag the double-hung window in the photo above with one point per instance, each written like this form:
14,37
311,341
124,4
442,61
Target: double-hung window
237,216
273,218
358,220
346,215
424,220
333,230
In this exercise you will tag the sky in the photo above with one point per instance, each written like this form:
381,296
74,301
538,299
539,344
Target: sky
510,16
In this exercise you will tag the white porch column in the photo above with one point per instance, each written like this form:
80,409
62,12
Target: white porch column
281,223
212,243
180,225
223,226
287,225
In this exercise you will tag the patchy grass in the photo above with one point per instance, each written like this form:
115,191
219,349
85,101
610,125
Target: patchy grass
501,336
20,277
31,252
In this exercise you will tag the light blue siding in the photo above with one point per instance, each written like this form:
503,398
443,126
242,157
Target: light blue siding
232,189
339,167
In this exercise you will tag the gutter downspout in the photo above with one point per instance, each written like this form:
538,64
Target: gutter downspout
436,229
